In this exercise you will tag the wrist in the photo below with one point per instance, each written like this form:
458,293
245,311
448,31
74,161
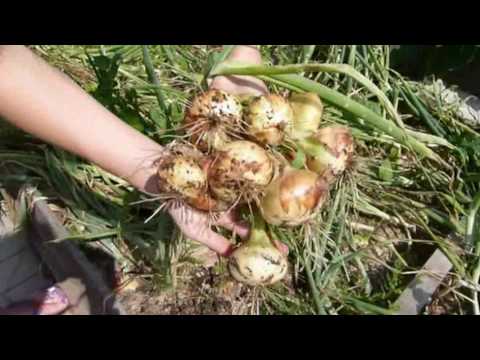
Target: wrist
146,180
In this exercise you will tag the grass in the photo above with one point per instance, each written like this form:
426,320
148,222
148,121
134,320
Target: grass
364,247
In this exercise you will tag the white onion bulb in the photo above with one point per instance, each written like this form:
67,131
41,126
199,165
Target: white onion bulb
307,111
267,117
258,261
336,155
293,198
212,118
240,168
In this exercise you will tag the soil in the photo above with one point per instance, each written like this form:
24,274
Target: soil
205,293
200,289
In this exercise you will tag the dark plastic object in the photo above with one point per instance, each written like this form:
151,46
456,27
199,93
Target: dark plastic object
80,279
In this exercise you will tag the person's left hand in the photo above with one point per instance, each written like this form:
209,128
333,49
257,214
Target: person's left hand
195,224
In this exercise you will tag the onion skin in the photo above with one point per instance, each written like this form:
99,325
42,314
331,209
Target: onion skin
211,117
257,265
267,117
294,197
339,143
210,138
240,168
258,262
205,202
307,111
184,177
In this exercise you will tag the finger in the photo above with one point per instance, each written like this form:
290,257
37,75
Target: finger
229,217
214,241
231,222
193,225
245,53
240,85
281,246
51,301
240,228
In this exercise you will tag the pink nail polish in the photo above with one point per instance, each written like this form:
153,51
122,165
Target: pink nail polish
55,295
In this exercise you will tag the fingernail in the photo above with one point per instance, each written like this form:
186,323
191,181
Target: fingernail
55,295
228,252
282,247
242,231
54,302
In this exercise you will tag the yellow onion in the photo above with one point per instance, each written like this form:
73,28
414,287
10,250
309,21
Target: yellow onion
211,138
267,117
329,151
307,111
241,169
212,118
294,197
183,176
258,261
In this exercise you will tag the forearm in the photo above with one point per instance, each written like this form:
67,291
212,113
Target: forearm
42,101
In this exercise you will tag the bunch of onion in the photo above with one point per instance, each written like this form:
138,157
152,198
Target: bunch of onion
329,151
182,176
258,261
235,170
240,171
294,197
267,118
213,118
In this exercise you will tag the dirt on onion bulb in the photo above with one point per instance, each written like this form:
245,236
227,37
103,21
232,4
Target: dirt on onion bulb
212,119
240,170
258,261
183,177
267,117
307,111
294,197
329,151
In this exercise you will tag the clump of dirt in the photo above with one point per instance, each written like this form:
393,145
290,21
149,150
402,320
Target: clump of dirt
205,293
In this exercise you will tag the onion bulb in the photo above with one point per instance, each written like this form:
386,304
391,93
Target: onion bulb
240,169
212,118
307,111
329,151
258,261
182,175
267,117
294,197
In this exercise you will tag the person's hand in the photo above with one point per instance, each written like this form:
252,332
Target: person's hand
51,301
195,224
242,85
